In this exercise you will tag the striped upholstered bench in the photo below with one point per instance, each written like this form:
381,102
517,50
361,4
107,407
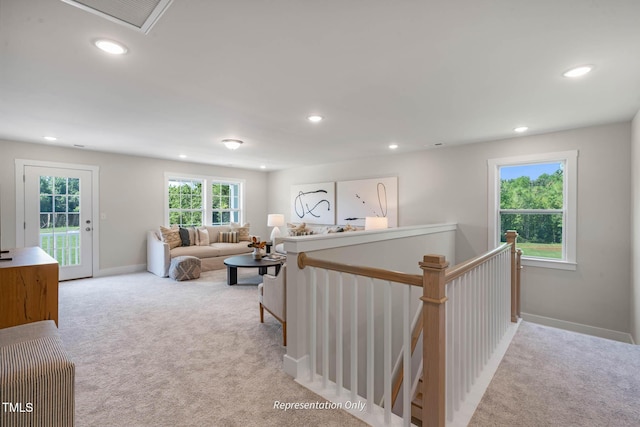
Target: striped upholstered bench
36,377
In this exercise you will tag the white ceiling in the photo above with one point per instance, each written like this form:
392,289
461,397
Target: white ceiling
413,72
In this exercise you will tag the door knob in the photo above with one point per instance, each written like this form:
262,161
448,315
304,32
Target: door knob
88,228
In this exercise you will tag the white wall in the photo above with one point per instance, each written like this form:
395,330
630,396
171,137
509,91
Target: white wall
449,184
131,196
635,227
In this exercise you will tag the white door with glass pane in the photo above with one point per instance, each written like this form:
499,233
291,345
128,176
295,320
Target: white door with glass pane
58,217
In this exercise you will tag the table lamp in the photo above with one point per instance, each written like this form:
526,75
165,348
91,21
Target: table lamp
275,221
375,223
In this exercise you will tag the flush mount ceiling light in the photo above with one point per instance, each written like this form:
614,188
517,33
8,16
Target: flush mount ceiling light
50,138
315,118
232,144
521,129
393,146
578,71
109,46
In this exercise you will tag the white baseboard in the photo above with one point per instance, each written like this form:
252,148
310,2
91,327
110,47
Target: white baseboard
295,367
579,327
127,269
463,415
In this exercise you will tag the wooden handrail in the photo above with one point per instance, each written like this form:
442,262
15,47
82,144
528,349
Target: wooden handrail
375,273
464,267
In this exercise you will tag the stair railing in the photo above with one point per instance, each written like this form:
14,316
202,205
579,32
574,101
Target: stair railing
478,298
362,276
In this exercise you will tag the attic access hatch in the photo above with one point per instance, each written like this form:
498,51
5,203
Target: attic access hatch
139,15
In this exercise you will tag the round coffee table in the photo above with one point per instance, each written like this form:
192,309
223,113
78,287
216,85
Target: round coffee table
247,261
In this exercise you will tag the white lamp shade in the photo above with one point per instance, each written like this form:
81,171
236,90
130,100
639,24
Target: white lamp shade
275,220
375,223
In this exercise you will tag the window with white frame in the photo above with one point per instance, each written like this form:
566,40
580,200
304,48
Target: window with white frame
186,201
200,200
225,202
536,196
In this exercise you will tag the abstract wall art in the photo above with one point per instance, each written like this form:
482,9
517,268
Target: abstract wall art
313,203
359,199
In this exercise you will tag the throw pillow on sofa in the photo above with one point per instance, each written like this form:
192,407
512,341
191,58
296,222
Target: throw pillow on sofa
171,236
184,237
203,236
228,237
193,236
243,231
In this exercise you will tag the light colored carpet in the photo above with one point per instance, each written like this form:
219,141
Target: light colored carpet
552,377
155,352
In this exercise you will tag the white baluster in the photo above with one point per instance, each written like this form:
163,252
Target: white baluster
476,328
325,332
468,367
450,338
370,346
312,324
354,340
485,316
339,336
406,345
387,353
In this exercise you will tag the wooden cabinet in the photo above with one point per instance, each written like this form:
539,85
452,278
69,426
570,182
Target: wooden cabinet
28,287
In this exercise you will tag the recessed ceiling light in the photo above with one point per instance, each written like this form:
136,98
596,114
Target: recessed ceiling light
50,138
521,129
232,144
263,166
578,71
393,146
111,47
182,156
315,118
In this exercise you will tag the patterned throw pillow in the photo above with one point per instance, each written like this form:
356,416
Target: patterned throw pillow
228,237
171,236
243,231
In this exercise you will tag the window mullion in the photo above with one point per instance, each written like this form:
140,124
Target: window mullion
531,211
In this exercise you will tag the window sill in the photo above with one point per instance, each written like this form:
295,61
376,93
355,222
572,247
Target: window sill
548,263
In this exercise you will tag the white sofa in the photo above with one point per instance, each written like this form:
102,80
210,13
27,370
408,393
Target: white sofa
211,256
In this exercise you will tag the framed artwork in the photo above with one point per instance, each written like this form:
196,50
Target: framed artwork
314,203
359,199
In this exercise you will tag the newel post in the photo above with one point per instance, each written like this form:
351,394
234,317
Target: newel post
512,236
433,342
518,278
